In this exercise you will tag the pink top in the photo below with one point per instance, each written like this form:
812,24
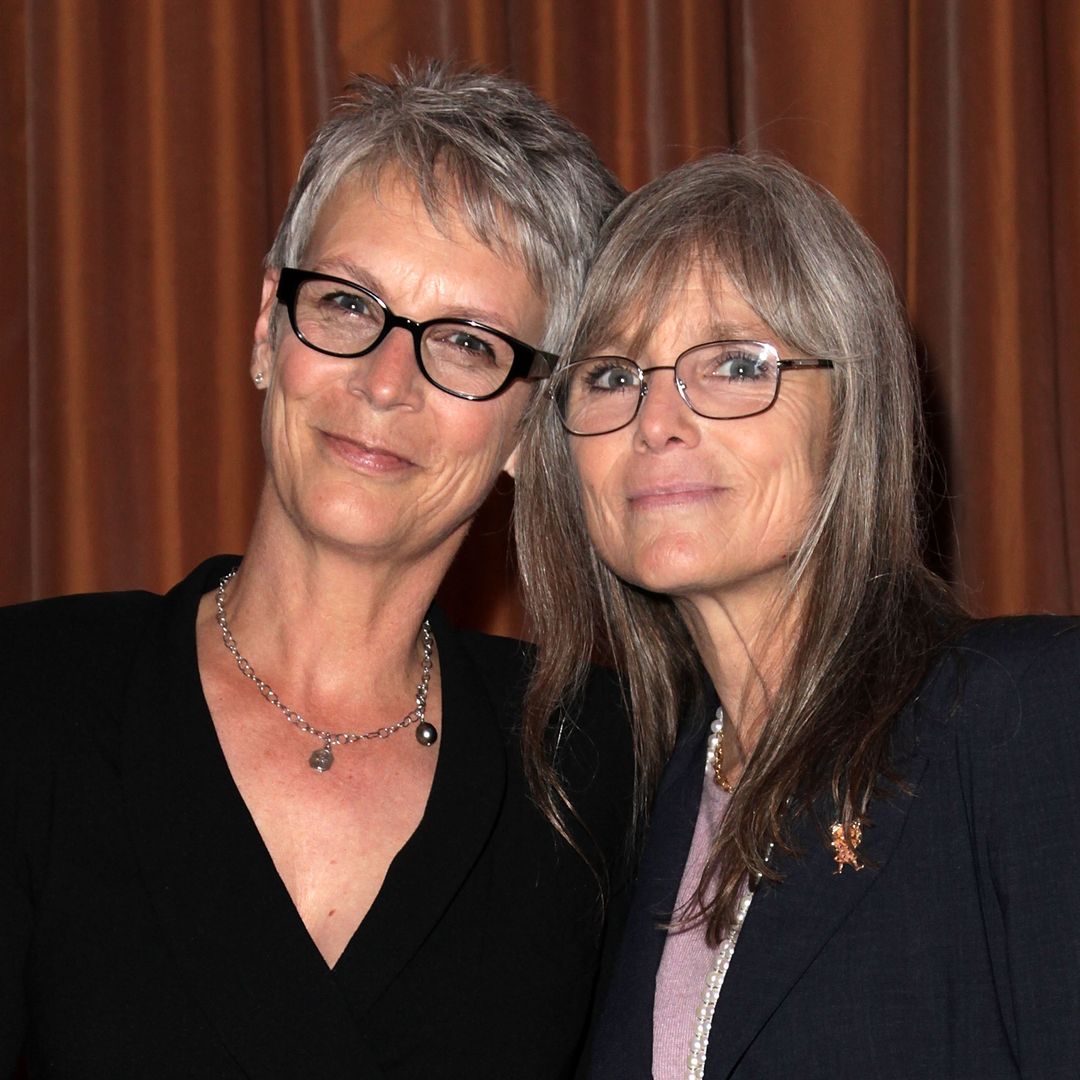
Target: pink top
687,959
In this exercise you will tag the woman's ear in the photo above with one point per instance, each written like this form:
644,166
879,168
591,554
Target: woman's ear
262,351
510,466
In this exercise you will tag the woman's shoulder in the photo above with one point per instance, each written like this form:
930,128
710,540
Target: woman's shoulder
505,664
591,741
1016,641
1007,674
77,612
66,634
1039,652
496,669
84,644
65,663
506,658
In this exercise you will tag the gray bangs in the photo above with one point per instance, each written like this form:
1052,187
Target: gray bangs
450,186
773,233
452,192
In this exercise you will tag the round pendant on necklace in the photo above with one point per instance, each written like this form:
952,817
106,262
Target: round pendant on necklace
321,759
426,735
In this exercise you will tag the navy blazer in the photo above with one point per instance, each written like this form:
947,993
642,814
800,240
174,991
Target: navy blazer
957,954
145,932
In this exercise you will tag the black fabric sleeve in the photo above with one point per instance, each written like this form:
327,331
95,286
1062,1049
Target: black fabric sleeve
1023,711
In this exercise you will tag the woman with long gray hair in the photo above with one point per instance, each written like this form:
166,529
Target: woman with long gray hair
274,823
862,857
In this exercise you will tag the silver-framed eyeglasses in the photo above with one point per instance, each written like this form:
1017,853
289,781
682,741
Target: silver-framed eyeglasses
459,356
719,380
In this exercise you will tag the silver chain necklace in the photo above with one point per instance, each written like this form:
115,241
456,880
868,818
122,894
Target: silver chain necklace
323,758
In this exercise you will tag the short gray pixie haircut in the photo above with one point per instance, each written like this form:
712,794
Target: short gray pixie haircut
526,183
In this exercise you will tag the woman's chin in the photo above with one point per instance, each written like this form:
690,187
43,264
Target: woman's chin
672,569
695,574
344,523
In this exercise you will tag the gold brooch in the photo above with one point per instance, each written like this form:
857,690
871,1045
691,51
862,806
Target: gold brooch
846,845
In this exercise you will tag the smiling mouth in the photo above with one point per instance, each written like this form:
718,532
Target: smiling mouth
664,496
366,457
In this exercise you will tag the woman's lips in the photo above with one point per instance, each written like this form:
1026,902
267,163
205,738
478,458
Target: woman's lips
680,493
365,456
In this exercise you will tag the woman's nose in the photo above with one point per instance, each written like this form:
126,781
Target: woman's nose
664,417
389,375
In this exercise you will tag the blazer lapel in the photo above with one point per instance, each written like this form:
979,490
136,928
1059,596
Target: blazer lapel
622,1042
788,925
235,934
462,811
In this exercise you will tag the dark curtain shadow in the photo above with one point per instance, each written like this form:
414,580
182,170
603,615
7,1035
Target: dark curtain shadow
935,499
480,591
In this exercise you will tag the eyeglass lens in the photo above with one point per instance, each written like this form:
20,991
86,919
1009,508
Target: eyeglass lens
721,380
347,321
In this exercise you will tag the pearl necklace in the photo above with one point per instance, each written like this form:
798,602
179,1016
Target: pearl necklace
699,1043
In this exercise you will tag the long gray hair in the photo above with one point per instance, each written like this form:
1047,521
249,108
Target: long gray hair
869,608
525,181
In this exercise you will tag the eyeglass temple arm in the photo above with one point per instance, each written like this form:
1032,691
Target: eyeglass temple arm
543,364
788,365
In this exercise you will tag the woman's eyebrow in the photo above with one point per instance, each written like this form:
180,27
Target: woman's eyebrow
494,319
712,331
726,331
346,268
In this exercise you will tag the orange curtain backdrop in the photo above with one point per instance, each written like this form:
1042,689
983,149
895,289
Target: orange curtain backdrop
149,145
993,288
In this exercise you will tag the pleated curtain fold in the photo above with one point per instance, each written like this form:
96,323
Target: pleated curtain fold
148,147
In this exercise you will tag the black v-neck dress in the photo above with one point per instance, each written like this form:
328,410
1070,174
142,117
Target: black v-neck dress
144,931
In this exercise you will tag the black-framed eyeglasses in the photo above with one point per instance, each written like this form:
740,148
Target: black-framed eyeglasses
719,380
459,356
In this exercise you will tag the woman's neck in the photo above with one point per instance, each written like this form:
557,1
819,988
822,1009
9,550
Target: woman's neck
325,623
745,649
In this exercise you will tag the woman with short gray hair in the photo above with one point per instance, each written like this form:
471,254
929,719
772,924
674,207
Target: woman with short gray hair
277,822
862,857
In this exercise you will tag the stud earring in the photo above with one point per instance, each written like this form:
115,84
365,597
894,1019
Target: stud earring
257,378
